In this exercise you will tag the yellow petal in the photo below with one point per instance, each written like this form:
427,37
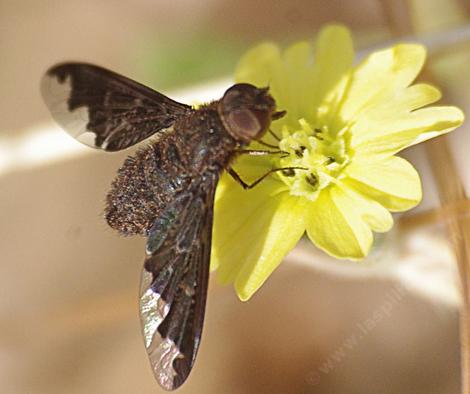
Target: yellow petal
379,76
374,214
253,231
393,182
292,94
298,80
334,56
387,116
334,225
259,65
410,129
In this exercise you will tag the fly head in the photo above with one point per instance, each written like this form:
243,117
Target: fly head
246,111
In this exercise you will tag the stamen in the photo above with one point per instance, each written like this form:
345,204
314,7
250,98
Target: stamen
316,134
312,179
300,152
323,155
288,172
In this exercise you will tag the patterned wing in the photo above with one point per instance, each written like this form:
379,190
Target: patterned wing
174,282
103,109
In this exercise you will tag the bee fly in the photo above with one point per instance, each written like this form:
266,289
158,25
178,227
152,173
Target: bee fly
164,192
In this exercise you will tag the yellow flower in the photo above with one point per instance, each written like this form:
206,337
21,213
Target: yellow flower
343,127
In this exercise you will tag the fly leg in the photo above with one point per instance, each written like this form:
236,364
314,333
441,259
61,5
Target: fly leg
248,186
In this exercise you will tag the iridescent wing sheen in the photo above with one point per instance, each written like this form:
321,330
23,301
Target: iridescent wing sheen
103,109
174,282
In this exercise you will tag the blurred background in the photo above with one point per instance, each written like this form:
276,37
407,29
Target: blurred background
69,285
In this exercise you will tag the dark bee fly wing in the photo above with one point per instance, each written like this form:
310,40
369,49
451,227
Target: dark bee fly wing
103,109
174,282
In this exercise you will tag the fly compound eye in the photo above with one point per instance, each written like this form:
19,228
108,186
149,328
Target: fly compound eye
244,124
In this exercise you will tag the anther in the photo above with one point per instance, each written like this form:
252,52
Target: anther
299,152
312,179
316,132
288,172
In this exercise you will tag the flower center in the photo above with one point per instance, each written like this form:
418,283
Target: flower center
316,157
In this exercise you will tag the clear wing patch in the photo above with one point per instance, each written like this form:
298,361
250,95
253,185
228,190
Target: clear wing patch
105,110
